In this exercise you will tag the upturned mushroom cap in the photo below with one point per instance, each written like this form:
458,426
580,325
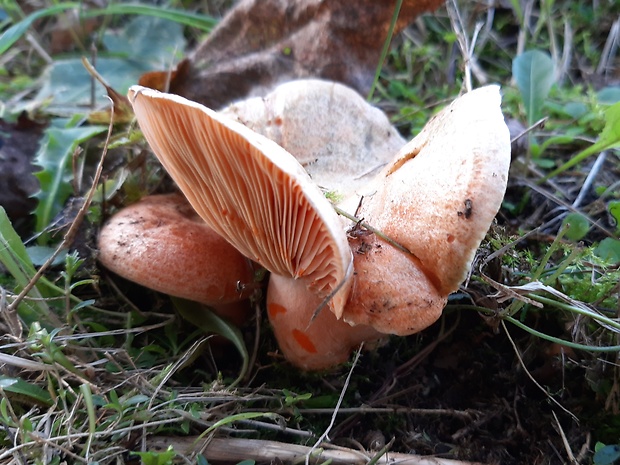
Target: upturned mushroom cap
250,191
311,344
437,198
340,139
161,243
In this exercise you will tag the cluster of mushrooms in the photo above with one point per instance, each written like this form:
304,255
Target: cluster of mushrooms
380,259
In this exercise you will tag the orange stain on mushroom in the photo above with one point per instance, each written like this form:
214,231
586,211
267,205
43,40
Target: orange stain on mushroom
304,341
275,310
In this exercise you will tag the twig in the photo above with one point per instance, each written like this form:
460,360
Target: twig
529,375
73,229
262,451
569,452
333,419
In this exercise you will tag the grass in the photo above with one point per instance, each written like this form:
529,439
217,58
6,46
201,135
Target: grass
97,370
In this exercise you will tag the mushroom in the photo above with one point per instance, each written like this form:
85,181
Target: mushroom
340,139
249,190
161,243
311,342
434,202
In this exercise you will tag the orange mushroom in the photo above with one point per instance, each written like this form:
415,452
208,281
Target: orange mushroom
435,200
161,243
250,191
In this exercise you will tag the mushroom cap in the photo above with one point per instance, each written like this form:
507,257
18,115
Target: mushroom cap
309,344
437,199
391,290
249,190
339,138
161,243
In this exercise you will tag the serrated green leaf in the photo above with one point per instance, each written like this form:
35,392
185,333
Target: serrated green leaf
209,322
54,158
534,74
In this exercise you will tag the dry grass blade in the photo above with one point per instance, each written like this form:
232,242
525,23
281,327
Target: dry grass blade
233,450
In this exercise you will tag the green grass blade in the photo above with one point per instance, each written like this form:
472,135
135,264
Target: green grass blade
14,258
198,21
13,33
209,322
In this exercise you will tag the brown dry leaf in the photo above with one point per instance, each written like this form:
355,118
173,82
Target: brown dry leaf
123,113
261,43
19,142
163,81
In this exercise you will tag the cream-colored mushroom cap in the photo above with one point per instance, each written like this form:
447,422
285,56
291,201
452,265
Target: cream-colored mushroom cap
249,190
340,139
437,198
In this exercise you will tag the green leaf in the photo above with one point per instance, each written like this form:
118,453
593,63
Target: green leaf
606,455
144,44
614,211
608,139
209,322
534,73
14,257
25,390
17,30
12,34
577,226
54,157
157,458
608,95
609,250
151,41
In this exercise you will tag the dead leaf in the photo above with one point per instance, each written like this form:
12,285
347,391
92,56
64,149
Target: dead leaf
261,43
19,142
123,113
163,81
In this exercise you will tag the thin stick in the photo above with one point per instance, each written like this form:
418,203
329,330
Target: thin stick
333,419
529,375
73,229
378,233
